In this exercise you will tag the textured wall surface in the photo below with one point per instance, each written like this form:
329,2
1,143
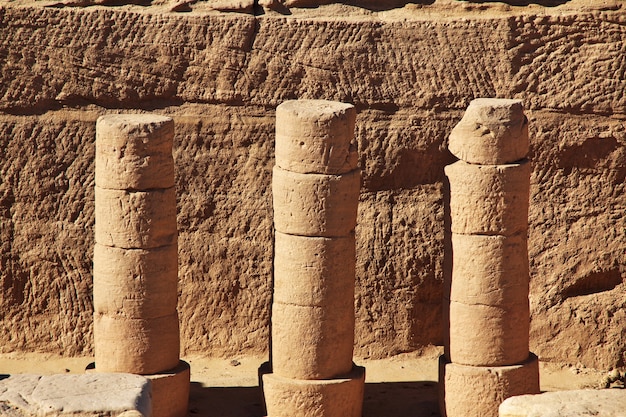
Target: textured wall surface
410,72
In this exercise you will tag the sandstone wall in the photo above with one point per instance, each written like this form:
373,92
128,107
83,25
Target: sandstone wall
410,73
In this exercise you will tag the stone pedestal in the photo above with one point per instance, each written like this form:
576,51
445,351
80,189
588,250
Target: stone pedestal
477,391
486,356
170,391
135,257
337,397
316,192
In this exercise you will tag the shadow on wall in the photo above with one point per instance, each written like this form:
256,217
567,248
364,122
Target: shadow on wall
416,399
392,4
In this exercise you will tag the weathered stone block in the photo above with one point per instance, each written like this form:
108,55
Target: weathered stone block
313,342
492,131
315,137
489,270
136,219
482,335
314,271
315,204
135,283
86,395
574,403
134,152
170,391
489,199
139,346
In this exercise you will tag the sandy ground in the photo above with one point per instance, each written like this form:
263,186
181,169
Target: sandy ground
403,385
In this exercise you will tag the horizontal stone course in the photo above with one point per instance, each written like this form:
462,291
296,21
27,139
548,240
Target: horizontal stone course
134,152
489,199
482,335
311,137
489,270
247,64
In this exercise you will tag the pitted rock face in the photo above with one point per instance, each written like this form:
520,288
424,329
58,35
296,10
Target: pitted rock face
220,75
493,131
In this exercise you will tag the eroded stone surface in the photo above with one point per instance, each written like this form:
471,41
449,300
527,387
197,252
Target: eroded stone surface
483,335
141,346
489,199
135,283
492,131
313,271
134,151
310,342
489,270
311,137
315,204
136,219
220,82
575,403
87,395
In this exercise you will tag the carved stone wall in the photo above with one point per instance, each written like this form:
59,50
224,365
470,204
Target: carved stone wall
410,72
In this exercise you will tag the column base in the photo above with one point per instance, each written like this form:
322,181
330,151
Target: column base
477,391
340,397
170,390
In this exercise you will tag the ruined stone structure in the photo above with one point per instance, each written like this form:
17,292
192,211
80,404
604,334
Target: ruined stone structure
136,257
316,192
410,72
572,403
486,357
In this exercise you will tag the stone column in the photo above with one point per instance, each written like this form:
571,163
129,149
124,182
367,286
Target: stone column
486,357
316,191
135,263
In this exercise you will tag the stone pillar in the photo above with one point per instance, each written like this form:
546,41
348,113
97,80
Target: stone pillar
316,192
486,358
135,265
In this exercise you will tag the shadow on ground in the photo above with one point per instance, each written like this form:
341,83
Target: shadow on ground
384,399
224,401
400,399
